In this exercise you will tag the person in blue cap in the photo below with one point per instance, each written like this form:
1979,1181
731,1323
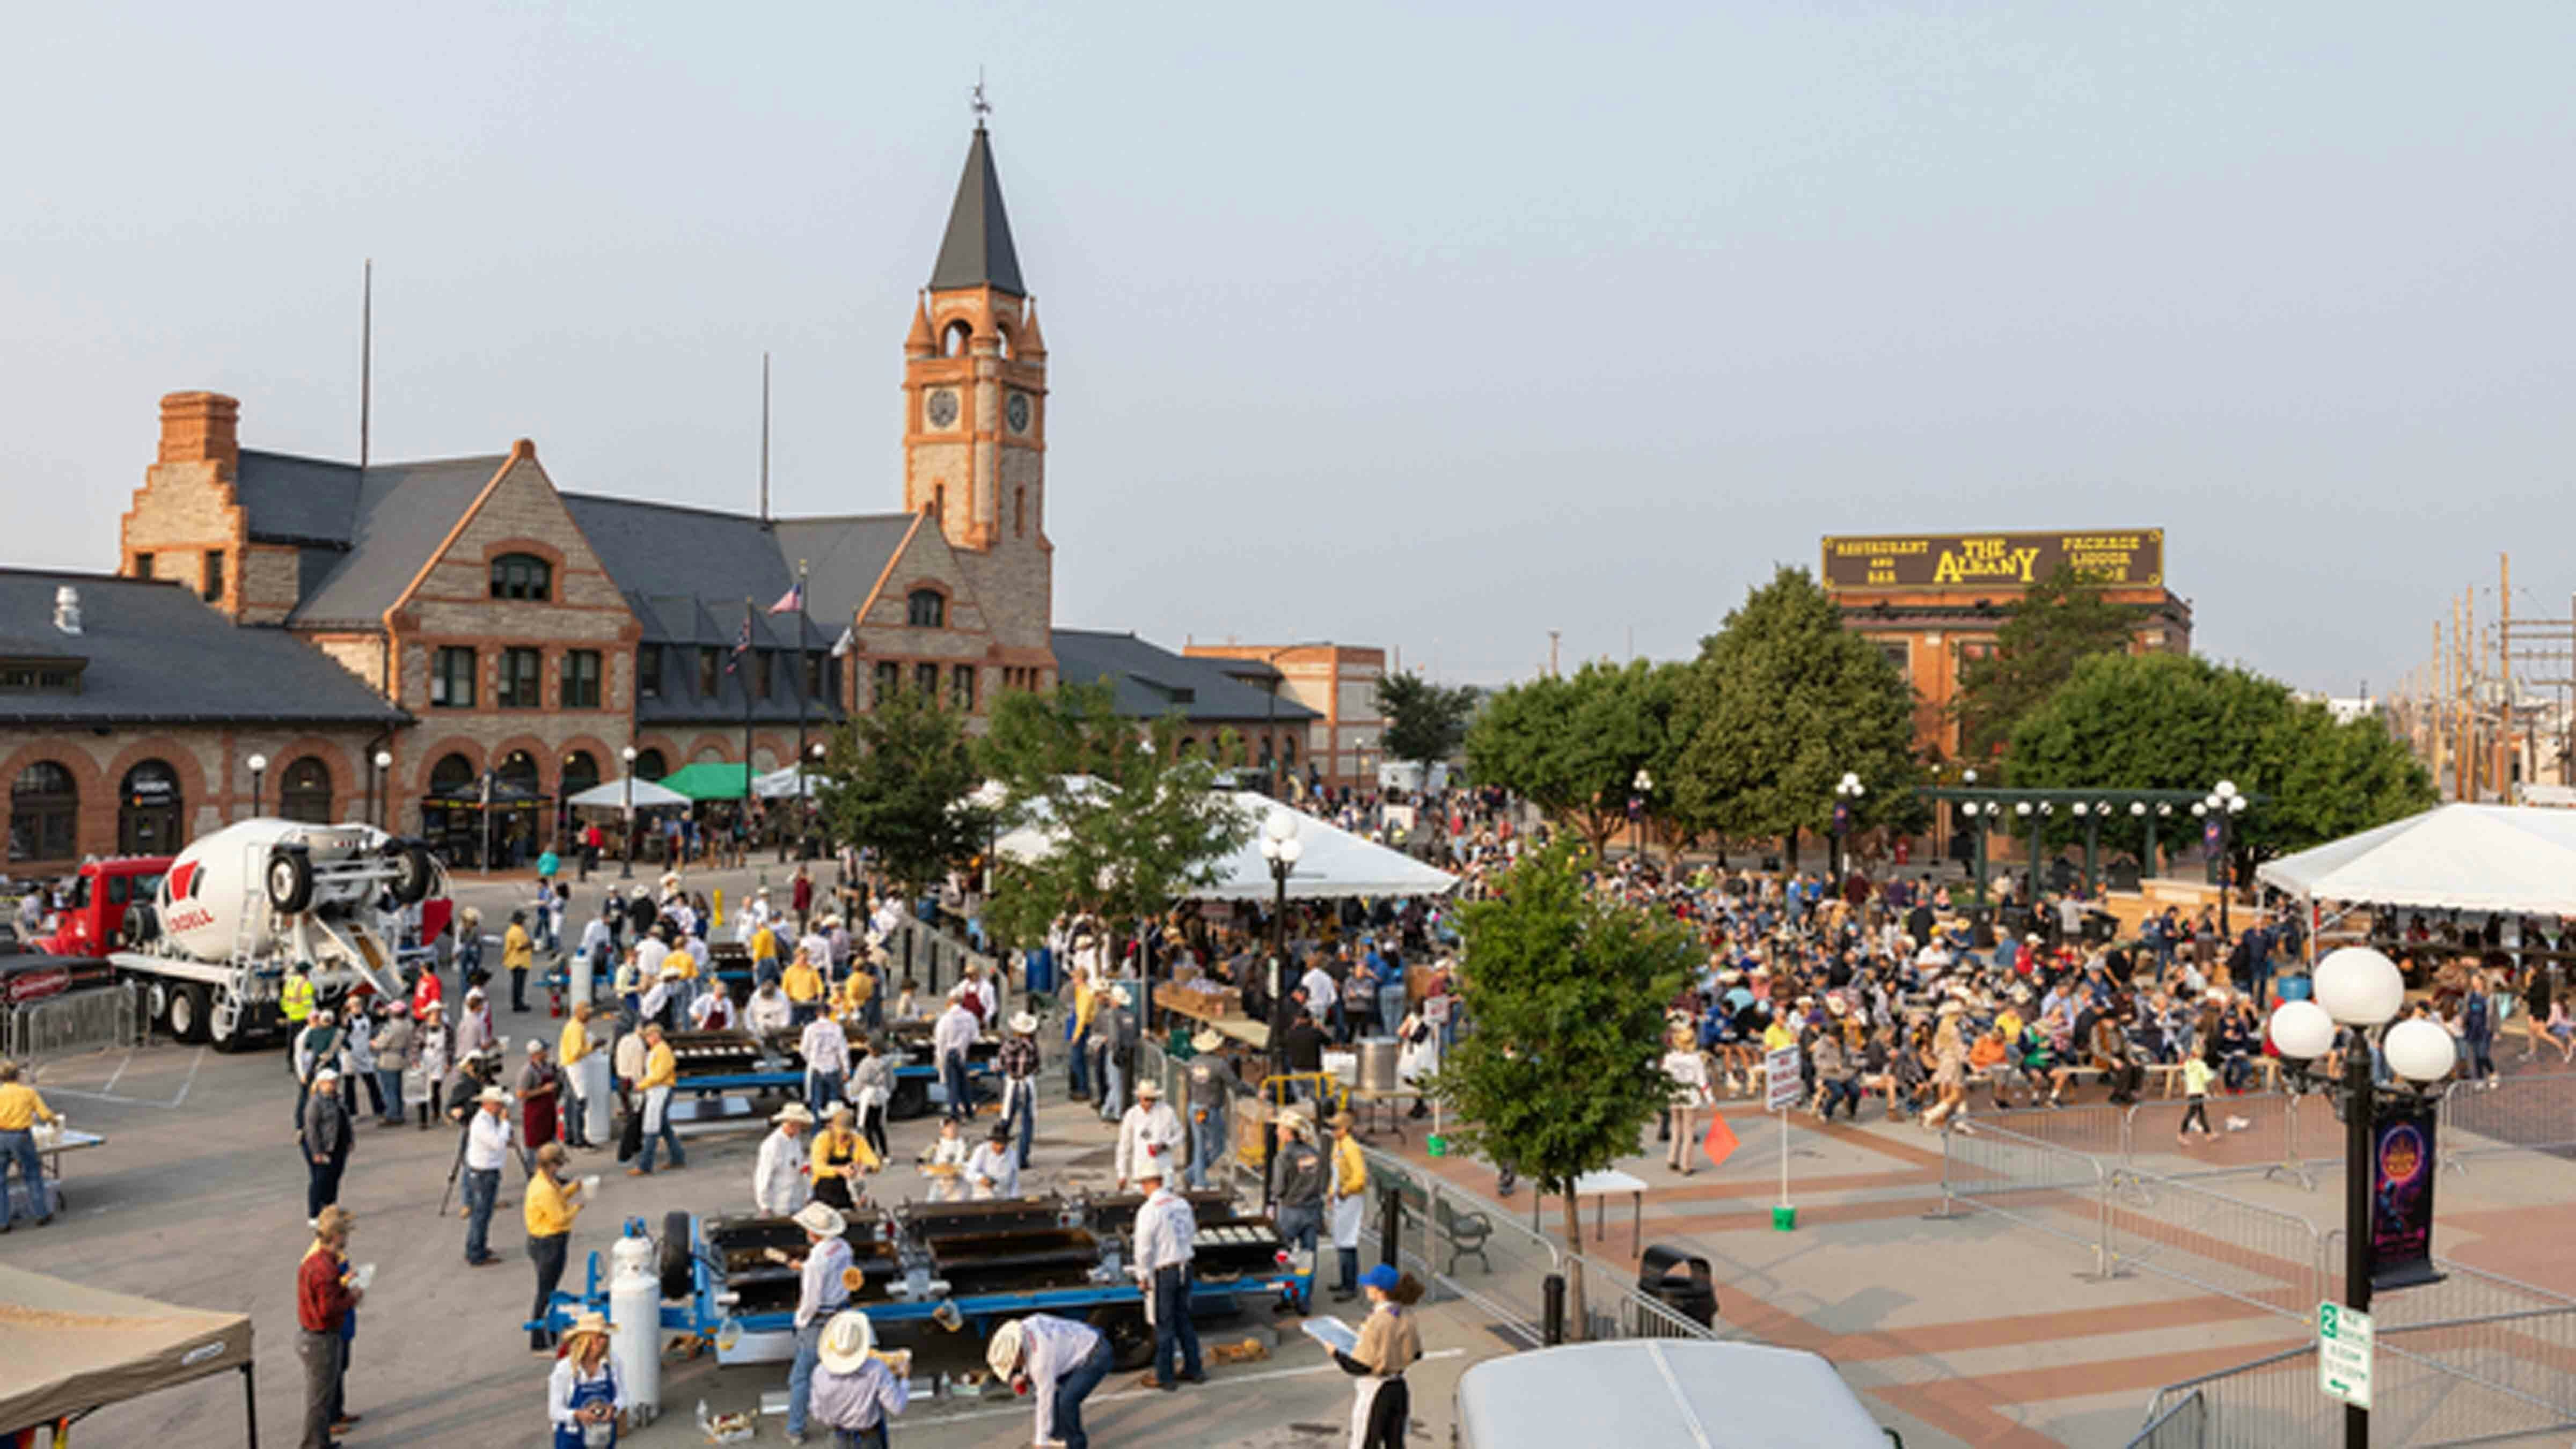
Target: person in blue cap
1388,1345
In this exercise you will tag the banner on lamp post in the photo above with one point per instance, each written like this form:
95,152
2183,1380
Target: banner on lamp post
2402,1173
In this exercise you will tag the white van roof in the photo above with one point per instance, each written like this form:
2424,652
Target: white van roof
1654,1393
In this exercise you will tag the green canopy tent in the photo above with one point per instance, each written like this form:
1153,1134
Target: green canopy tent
709,780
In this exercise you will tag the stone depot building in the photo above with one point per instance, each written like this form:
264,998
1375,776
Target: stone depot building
449,644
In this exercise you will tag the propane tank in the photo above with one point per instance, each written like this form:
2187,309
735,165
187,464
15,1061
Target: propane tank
635,1307
579,972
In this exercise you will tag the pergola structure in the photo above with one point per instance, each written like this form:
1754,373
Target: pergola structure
2209,810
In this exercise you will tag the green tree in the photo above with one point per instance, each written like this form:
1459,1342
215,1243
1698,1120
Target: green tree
1132,821
1782,702
1567,988
1572,745
1425,722
2177,722
2062,619
895,781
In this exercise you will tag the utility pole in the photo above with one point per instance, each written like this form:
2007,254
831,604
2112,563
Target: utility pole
1552,638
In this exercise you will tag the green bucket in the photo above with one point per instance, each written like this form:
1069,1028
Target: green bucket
1436,1145
1784,1218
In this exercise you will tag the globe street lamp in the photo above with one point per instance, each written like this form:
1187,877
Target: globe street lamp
626,854
258,771
1280,848
1847,793
2221,806
1638,789
384,763
2361,989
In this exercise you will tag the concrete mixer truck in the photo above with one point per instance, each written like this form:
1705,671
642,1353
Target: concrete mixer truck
237,909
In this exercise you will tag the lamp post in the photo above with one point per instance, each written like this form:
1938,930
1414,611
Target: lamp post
384,763
2361,989
1847,793
2221,806
805,795
258,771
1280,848
626,849
1638,790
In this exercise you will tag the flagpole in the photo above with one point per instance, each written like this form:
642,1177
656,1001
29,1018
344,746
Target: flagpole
799,809
747,674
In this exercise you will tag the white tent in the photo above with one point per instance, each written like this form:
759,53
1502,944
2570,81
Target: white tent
2508,858
612,795
1335,862
785,781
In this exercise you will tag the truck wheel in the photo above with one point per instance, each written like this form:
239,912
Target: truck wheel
677,1280
1131,1344
412,870
190,1010
156,1001
140,926
909,1099
290,881
225,1038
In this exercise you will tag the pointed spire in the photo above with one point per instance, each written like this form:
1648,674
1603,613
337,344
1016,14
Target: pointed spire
921,343
1031,343
977,251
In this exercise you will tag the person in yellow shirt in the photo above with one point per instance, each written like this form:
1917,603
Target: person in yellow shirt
20,1110
574,1053
1778,1035
840,1158
661,1072
552,1205
764,953
1344,1199
857,990
1086,1002
518,953
804,987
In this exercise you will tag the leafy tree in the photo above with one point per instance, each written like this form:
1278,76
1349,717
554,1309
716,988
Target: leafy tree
895,781
1572,745
2177,722
2062,619
1133,822
1425,722
1782,701
1567,988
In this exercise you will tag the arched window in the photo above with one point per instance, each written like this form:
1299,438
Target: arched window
1288,751
304,791
580,772
953,341
1189,748
452,775
518,769
649,765
926,609
521,576
44,813
147,811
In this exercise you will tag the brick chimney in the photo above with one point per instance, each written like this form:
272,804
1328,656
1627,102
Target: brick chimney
201,427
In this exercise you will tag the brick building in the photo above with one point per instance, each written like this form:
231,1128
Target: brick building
1213,697
1932,602
516,638
1338,682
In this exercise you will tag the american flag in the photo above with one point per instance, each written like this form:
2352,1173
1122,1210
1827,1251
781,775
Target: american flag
741,646
792,601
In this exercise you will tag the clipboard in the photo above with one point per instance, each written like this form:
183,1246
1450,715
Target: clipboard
1332,1333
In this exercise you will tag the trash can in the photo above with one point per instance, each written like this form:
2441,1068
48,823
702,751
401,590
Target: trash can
1680,1281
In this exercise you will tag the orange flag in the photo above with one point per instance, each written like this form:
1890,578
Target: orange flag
1720,1142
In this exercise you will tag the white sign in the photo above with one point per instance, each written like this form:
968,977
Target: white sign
1781,1067
2343,1354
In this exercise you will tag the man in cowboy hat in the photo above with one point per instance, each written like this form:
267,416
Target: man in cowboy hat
951,1038
487,1146
993,1168
1018,1060
1149,1136
1297,1177
778,1182
1113,1032
854,1391
821,1292
1057,1362
1165,1232
551,1207
1208,1090
326,1144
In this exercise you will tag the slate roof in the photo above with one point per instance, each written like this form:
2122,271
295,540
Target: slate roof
977,250
386,523
156,654
1151,681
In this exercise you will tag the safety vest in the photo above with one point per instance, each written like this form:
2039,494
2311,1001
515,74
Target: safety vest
296,998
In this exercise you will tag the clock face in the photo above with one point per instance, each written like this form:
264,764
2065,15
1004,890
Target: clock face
1019,412
941,409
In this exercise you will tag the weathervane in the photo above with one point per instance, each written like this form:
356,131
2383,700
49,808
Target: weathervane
980,106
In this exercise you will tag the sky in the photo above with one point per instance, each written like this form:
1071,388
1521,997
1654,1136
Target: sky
1435,327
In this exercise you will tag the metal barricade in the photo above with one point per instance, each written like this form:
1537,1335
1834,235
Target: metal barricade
2516,1114
2498,1353
2220,1244
2182,1424
2270,1403
1462,1246
108,1016
2258,1132
2037,1184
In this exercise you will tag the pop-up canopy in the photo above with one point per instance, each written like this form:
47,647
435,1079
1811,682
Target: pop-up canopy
1334,862
2507,858
611,795
71,1349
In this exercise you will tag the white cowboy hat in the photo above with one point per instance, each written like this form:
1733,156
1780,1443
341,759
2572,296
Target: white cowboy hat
1951,1007
589,1323
674,971
536,1045
1207,1039
835,1111
325,1075
822,1220
847,1340
492,1094
1002,1351
1149,1089
793,1112
1119,994
1023,1023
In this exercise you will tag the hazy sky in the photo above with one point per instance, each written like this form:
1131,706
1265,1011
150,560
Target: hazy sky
1435,327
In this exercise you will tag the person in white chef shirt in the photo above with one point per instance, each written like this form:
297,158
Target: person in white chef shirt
1148,1136
713,1011
779,1184
993,1168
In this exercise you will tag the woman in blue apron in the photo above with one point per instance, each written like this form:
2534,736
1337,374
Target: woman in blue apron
584,1400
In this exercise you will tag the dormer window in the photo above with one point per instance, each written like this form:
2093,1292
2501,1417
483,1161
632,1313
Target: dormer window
926,609
522,576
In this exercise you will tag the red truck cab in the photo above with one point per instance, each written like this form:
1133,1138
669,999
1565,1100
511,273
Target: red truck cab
93,922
